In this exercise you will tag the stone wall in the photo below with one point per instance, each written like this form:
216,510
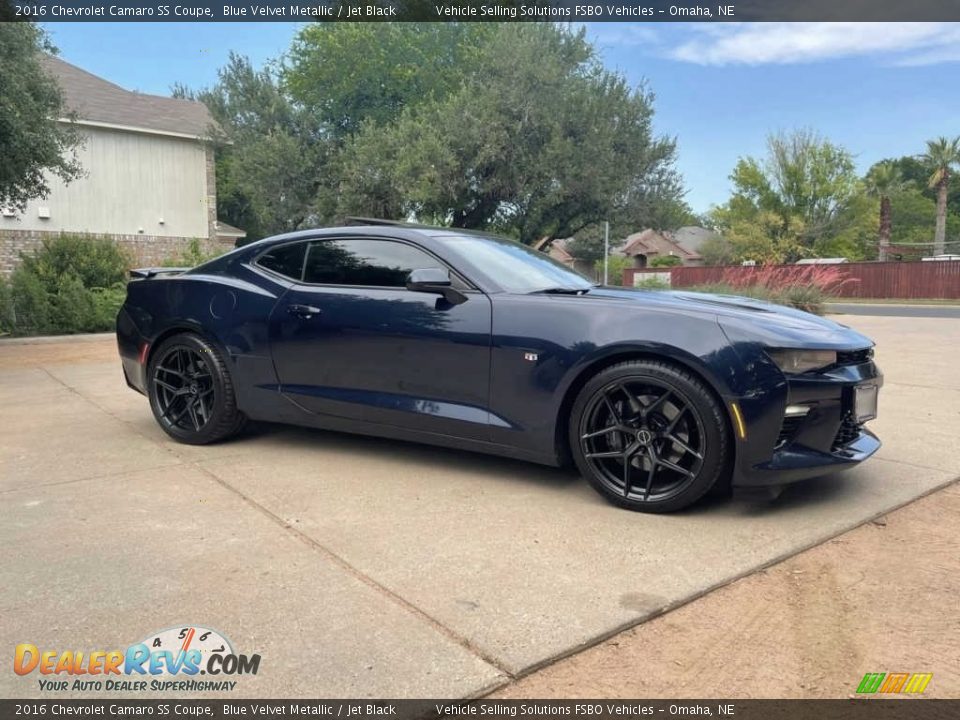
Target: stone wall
143,250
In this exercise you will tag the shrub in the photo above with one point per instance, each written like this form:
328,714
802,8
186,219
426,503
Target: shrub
807,298
106,305
97,262
805,287
72,306
826,278
70,284
616,264
194,254
652,283
666,261
6,308
31,303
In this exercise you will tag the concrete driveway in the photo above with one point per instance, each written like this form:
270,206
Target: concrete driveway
361,567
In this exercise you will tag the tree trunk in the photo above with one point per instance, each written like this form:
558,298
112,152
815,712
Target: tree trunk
886,224
939,238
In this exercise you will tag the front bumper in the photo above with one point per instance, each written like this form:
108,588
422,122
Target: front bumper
780,449
797,462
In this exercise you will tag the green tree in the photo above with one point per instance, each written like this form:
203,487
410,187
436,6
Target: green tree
803,176
916,172
883,181
35,145
942,155
765,237
912,214
272,155
350,73
538,140
802,199
716,250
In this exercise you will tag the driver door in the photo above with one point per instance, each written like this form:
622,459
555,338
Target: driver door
349,340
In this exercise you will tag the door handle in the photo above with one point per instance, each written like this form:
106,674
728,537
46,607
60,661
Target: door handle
303,311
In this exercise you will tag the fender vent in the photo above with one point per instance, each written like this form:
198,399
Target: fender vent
788,429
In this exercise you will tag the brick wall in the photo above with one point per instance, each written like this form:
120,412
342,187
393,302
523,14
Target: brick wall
143,250
211,169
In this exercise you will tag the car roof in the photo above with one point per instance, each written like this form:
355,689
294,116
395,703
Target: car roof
398,230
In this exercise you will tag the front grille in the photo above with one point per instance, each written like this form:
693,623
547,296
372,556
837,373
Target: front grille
854,357
848,432
788,429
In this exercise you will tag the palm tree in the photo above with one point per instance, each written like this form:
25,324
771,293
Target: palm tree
942,154
884,181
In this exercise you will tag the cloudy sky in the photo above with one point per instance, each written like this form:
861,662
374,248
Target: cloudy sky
878,89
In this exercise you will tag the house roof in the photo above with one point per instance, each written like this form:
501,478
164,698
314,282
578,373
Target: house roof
229,231
691,237
99,102
558,250
651,242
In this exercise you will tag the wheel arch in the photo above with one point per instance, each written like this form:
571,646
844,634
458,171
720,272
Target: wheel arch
179,329
599,364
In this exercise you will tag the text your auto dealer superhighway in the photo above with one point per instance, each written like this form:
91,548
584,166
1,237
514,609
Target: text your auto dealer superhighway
122,11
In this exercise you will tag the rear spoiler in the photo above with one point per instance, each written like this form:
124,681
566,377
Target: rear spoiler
147,273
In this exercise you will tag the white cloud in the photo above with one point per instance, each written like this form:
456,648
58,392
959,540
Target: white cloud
621,35
782,43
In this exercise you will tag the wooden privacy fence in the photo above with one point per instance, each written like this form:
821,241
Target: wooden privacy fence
904,280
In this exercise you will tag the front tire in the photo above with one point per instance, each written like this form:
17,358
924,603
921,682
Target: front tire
649,436
191,391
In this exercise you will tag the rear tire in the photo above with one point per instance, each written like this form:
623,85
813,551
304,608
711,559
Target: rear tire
191,391
649,436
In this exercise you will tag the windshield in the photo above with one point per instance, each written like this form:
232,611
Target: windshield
515,267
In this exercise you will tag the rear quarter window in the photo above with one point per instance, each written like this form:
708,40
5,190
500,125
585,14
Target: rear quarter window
286,260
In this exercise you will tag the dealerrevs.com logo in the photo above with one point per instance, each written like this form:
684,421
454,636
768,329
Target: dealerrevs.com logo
169,660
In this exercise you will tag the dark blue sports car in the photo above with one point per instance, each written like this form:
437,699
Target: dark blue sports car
475,342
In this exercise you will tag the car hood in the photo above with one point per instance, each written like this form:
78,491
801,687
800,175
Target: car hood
744,319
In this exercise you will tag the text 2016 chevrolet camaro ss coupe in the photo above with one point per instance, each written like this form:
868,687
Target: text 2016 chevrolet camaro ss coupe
479,343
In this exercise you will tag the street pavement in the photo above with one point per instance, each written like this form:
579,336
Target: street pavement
895,309
359,567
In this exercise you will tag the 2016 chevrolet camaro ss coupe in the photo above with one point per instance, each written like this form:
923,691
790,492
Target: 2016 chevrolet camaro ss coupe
478,343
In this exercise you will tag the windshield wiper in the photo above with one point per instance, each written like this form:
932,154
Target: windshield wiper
560,291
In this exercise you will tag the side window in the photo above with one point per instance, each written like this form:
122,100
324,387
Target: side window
371,263
286,260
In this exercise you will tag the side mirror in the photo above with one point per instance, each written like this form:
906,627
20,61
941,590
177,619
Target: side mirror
429,280
436,281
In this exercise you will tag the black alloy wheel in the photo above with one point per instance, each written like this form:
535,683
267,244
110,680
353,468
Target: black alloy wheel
649,436
191,393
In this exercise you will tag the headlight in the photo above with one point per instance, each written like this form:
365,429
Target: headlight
794,362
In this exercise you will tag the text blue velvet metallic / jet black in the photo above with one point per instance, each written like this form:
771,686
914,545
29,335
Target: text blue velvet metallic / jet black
493,369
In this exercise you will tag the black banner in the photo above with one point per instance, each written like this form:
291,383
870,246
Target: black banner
473,11
854,709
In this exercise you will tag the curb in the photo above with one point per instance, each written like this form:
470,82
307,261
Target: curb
45,339
892,305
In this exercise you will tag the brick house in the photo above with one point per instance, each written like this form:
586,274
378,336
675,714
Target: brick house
149,181
648,244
